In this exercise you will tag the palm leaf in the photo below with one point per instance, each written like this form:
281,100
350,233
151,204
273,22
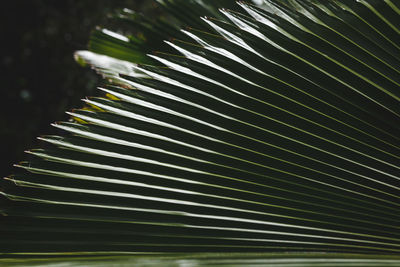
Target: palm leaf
261,131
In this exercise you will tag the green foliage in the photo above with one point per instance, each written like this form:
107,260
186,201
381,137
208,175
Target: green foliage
269,129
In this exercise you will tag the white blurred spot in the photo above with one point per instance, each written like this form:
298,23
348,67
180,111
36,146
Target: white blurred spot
258,2
116,35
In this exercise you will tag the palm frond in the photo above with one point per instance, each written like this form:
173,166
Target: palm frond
267,130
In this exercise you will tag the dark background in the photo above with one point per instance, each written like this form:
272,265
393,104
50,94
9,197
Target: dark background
39,78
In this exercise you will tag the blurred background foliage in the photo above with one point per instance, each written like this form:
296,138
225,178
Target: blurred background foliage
40,79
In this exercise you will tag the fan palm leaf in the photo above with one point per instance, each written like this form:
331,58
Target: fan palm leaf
259,131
